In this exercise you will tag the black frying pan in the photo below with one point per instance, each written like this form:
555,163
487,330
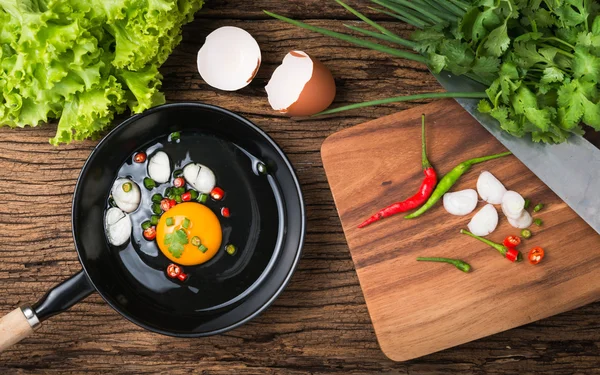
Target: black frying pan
268,228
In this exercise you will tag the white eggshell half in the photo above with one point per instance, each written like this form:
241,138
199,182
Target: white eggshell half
229,58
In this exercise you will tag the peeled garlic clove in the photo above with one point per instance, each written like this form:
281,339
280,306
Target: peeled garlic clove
522,222
460,203
229,59
485,221
117,226
490,189
200,177
300,86
513,204
159,167
129,200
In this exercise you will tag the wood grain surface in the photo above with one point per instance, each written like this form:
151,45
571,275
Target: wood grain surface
420,308
320,324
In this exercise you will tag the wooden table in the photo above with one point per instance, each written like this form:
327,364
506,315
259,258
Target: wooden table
320,323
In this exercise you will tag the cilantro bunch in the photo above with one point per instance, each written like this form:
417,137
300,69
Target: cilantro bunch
540,59
82,61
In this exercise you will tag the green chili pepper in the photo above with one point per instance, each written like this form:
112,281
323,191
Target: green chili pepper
461,265
195,241
146,224
193,195
511,254
538,207
538,222
149,183
449,180
175,136
156,198
202,198
526,233
154,219
156,209
177,173
527,203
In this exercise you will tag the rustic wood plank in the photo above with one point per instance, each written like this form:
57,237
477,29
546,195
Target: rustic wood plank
320,323
420,308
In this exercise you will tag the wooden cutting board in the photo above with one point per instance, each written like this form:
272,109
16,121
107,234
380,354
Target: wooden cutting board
418,308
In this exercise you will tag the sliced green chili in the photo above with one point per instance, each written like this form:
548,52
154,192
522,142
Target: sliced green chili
538,207
526,233
127,187
193,195
156,198
202,248
175,136
461,265
149,183
156,209
186,223
527,203
178,199
146,224
179,190
170,221
450,179
195,241
538,222
202,198
154,219
230,249
177,173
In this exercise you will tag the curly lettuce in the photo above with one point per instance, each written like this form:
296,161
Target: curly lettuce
83,61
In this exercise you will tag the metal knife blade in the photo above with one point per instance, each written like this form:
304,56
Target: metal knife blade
570,169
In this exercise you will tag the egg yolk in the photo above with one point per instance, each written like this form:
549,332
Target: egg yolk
201,222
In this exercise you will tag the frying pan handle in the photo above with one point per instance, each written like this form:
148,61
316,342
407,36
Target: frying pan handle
23,321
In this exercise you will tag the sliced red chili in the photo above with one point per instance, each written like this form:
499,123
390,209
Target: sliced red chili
512,254
217,193
536,255
182,276
140,157
150,233
173,270
172,203
179,182
186,197
165,204
225,212
512,241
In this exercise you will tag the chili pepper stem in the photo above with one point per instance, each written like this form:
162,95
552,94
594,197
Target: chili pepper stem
461,265
486,158
501,248
425,161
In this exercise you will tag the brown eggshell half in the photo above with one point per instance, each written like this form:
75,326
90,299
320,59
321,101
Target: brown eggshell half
318,93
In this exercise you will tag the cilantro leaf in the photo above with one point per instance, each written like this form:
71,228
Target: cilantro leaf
585,65
573,12
176,241
498,41
428,40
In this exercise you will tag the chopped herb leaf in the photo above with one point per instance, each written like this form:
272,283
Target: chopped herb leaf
176,242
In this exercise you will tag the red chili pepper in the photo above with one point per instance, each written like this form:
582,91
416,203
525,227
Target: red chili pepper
182,276
512,241
420,197
165,204
140,157
217,193
172,203
512,254
186,197
150,233
173,270
536,255
225,212
179,182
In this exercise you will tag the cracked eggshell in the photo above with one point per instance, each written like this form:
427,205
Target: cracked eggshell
117,226
126,201
229,58
301,86
200,177
159,167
